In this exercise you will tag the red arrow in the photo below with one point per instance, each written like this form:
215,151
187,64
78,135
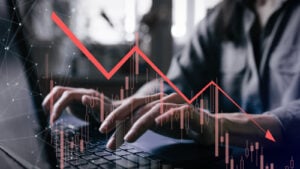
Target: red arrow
136,49
269,136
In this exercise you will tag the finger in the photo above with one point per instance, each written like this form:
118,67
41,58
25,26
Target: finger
174,98
57,92
67,98
95,102
90,101
124,111
117,139
165,117
146,121
174,114
99,107
54,94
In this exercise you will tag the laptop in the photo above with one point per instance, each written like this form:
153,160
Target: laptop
27,139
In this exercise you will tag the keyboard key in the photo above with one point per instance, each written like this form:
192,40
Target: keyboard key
90,157
112,157
99,161
98,148
94,150
82,153
122,153
87,166
110,166
109,150
68,158
134,151
102,153
137,159
126,147
143,154
78,162
125,163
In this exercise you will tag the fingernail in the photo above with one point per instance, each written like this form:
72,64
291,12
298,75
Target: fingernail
158,121
103,128
126,137
129,136
110,144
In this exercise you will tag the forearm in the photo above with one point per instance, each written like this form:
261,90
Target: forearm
242,128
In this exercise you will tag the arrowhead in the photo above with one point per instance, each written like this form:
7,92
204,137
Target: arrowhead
269,136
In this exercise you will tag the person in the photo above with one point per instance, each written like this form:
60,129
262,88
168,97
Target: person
250,47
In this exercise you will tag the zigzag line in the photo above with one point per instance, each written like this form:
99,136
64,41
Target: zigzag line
137,50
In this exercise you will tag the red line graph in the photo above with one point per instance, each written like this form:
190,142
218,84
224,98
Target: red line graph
137,50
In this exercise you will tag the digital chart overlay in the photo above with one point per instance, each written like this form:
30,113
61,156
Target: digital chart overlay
136,49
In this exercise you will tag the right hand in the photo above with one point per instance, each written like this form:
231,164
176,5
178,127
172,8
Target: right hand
61,97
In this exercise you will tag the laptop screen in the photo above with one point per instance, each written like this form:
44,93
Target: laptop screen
18,123
20,131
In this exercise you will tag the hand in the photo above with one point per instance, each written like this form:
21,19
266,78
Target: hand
190,124
60,98
136,115
123,117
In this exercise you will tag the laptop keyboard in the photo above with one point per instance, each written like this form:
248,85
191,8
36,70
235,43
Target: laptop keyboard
94,154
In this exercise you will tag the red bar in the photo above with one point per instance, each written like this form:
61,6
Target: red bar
251,148
137,64
161,96
121,94
222,139
231,163
72,144
136,54
81,145
61,149
216,123
271,165
226,148
201,112
256,145
292,163
101,107
172,114
261,161
126,83
181,119
242,163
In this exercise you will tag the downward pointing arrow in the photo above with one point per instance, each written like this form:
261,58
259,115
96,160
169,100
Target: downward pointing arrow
109,74
269,136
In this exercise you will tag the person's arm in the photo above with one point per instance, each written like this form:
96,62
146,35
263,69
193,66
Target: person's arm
239,126
289,117
282,122
243,126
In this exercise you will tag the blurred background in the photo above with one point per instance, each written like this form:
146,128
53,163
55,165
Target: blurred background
108,30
